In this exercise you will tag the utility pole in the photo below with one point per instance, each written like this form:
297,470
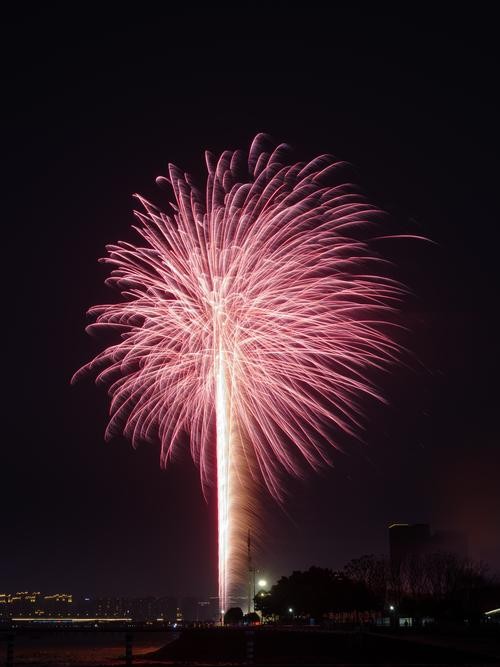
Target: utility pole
251,576
128,649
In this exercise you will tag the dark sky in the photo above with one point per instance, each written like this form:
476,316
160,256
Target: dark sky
97,105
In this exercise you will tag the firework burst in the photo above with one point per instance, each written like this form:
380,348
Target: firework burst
253,315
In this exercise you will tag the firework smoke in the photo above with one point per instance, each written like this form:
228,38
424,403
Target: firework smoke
253,314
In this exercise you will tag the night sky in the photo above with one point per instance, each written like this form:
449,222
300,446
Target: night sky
97,105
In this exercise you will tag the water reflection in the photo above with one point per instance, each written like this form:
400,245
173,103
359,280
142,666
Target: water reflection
78,649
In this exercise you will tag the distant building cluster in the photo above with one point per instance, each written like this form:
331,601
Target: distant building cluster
421,566
37,605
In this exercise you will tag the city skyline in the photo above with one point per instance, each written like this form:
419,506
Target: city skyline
93,117
401,539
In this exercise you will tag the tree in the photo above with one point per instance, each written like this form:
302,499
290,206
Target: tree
440,585
233,616
372,571
314,593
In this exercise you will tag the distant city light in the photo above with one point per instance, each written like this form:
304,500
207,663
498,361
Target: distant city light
66,619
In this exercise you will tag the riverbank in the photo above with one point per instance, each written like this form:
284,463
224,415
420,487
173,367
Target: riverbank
272,646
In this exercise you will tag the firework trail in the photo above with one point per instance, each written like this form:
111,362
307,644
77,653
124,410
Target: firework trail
254,311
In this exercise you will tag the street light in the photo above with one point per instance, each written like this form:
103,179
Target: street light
392,607
262,583
290,610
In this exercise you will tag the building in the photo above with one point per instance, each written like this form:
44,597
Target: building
189,609
35,604
214,606
407,541
166,609
203,611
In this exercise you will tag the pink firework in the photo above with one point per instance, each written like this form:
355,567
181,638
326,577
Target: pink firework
253,315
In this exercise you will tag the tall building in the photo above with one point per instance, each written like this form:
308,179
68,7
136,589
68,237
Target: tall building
189,609
406,540
110,607
409,540
204,611
214,606
142,609
35,604
166,608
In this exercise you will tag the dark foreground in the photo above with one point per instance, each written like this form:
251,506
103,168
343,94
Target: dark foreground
270,646
260,646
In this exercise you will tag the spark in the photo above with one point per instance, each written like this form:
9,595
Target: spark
254,310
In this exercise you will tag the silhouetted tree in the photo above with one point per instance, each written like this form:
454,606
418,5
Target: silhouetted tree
373,572
233,616
314,593
441,585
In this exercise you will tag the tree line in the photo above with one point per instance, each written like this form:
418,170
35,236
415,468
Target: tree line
440,586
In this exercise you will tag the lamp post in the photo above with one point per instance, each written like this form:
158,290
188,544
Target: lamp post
392,610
